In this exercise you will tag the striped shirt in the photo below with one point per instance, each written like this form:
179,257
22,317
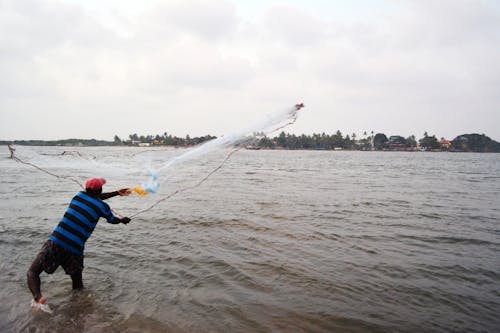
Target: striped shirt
79,221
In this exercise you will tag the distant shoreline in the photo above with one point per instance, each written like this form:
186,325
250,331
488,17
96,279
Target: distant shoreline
316,142
160,147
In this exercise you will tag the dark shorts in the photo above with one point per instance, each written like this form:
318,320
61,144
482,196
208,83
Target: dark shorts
53,255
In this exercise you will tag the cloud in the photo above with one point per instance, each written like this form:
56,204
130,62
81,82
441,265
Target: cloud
459,23
294,27
203,67
209,20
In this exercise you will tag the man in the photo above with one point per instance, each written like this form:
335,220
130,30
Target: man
66,244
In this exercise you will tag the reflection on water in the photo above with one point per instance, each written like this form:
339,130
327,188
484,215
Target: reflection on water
276,241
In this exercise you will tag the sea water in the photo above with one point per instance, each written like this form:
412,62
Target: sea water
276,241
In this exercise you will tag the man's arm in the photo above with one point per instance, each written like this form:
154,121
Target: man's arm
107,213
122,192
104,196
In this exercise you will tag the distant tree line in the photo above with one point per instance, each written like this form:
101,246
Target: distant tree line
64,142
164,139
323,141
475,142
379,141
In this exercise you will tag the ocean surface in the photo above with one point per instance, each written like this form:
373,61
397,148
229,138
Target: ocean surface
275,241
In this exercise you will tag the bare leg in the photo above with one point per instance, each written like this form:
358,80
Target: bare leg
34,279
77,281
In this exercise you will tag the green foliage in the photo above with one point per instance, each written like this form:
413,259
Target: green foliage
380,141
475,143
465,142
316,141
65,142
429,142
411,141
117,141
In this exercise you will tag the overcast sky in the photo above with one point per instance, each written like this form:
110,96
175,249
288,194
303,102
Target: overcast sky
93,69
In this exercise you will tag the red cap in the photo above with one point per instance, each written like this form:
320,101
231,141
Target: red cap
95,183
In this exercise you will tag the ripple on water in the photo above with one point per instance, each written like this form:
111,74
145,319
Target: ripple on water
277,242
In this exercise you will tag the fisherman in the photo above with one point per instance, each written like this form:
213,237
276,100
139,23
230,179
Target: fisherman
66,244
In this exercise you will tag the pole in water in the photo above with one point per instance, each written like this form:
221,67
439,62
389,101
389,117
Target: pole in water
12,150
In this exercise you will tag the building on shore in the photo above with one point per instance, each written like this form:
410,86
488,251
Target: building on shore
445,144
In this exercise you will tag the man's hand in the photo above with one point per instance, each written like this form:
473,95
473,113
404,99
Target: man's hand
125,220
124,192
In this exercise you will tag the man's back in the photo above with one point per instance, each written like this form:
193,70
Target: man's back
79,221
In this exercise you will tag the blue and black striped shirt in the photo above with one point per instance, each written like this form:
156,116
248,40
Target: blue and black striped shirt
79,221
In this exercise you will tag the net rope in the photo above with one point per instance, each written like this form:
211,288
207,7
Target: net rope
176,192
